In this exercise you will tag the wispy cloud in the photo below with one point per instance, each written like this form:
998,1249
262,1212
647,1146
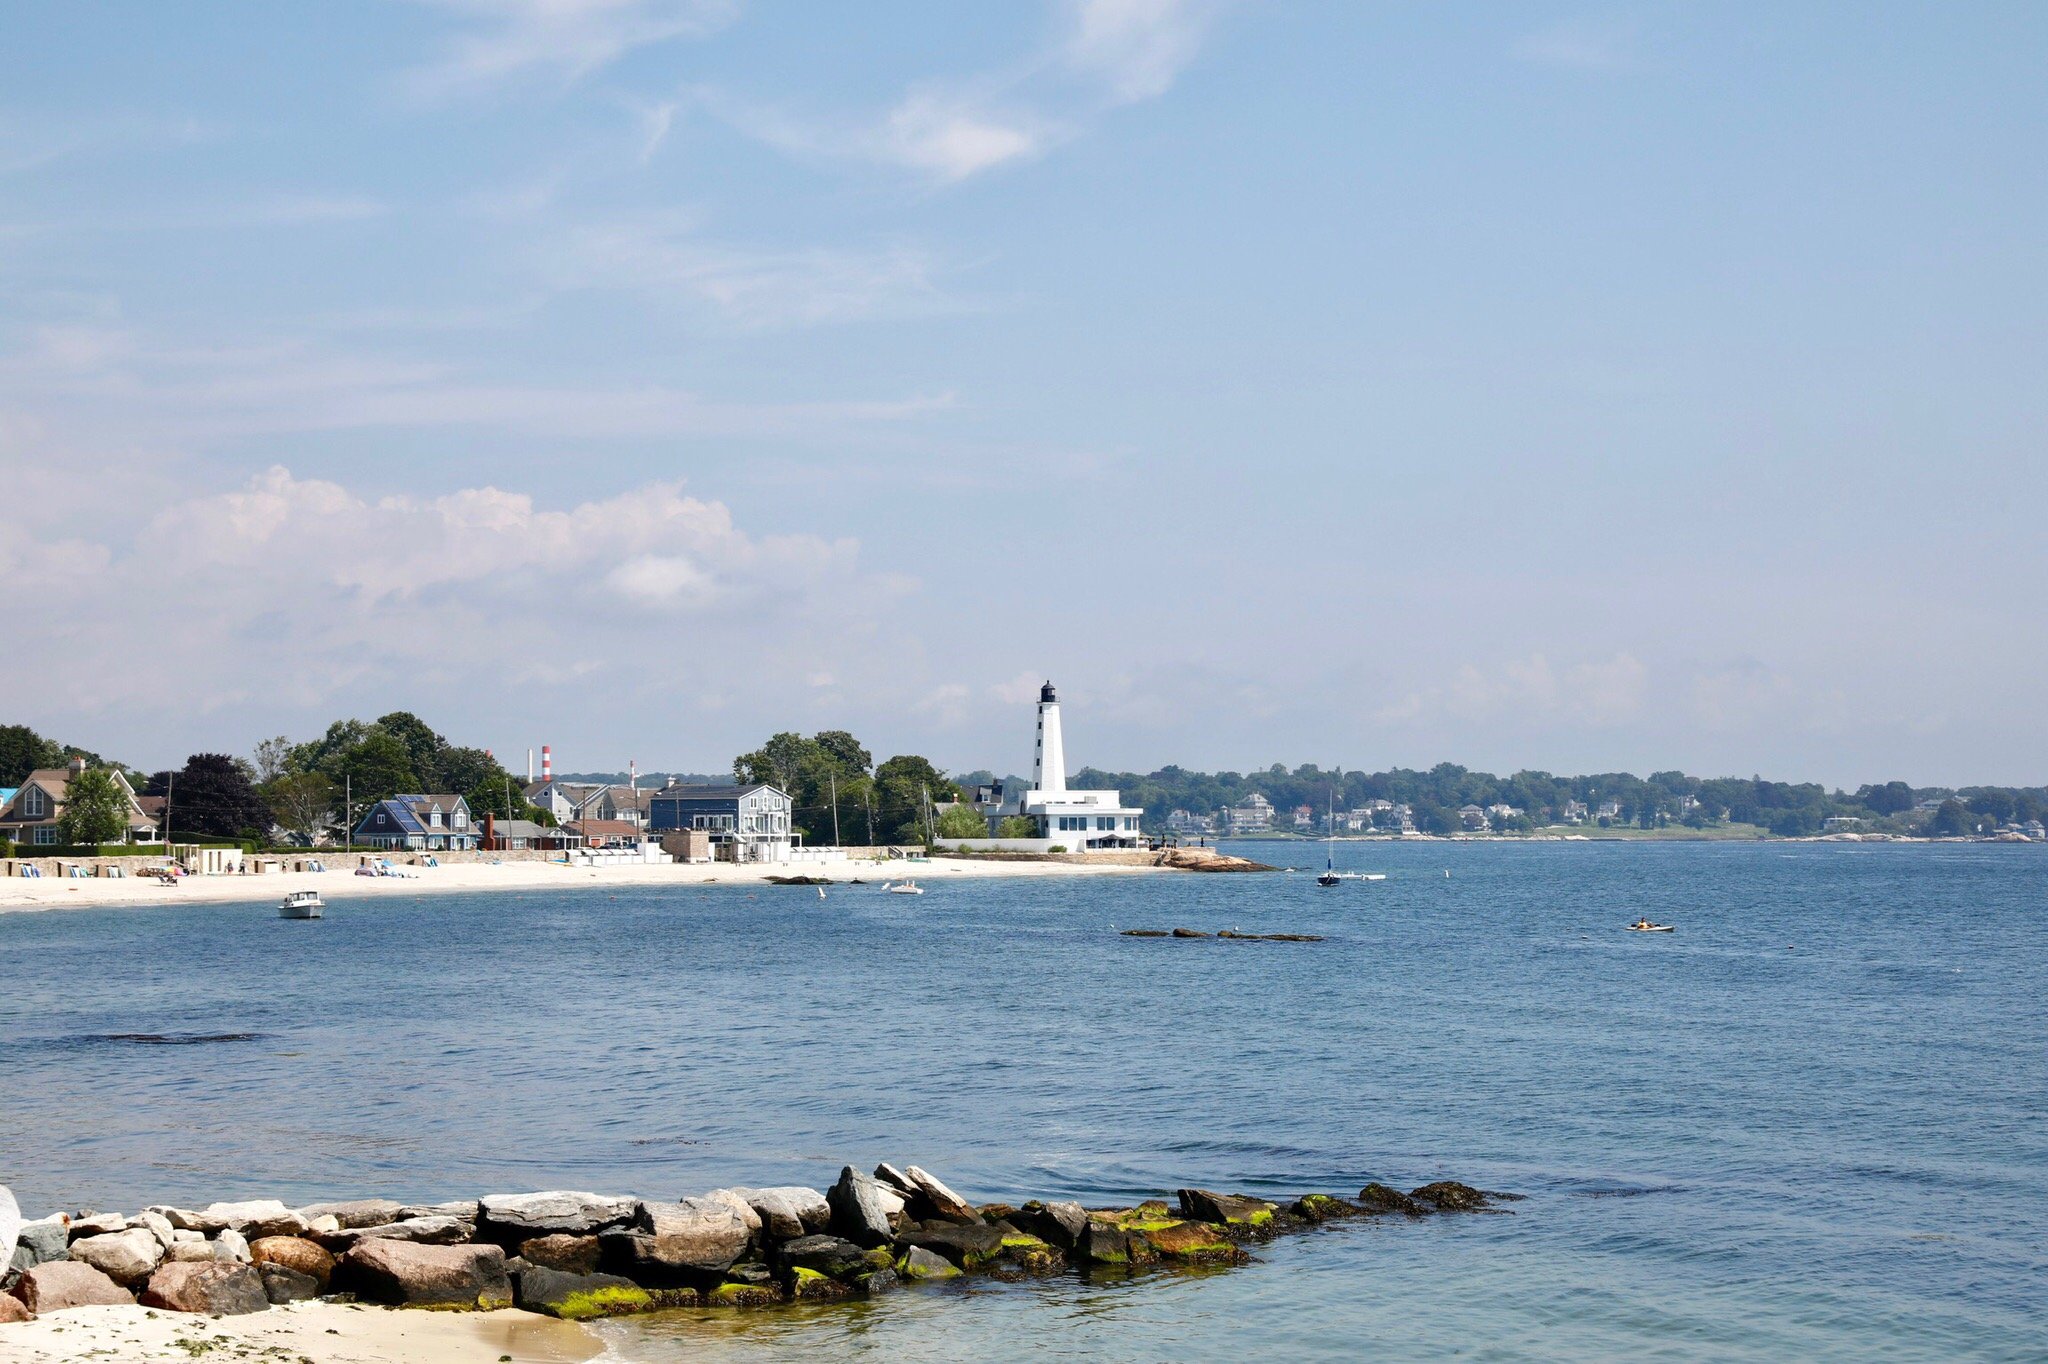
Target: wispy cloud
1593,693
753,287
1111,53
560,41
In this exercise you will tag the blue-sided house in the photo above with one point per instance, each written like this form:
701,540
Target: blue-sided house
419,823
746,823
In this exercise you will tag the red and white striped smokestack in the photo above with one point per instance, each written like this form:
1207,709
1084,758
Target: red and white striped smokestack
547,763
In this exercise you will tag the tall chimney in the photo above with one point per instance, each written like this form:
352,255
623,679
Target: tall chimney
632,775
547,763
529,767
1049,768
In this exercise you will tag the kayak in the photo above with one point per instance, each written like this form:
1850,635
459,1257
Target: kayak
1652,928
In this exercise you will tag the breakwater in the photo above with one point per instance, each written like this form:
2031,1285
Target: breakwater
581,1256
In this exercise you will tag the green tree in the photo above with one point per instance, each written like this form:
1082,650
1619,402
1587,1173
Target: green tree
1952,819
302,803
95,809
214,794
423,748
1017,826
962,821
902,786
23,751
273,759
376,767
781,762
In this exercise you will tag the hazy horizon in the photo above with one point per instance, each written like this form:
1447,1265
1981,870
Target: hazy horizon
1520,386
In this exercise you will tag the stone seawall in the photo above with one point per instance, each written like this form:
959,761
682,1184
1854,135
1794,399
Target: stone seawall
580,1255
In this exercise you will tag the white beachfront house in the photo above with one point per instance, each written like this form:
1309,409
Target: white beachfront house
1068,820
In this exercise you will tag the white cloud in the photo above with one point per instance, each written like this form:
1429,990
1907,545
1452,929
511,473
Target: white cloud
1596,693
1111,53
1137,48
298,592
753,287
562,40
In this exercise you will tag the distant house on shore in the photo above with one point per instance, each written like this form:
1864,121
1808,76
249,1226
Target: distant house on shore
30,813
605,833
418,823
1575,812
522,835
1472,817
1252,815
751,823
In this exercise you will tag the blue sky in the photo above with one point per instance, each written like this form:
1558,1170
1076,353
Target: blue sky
1573,387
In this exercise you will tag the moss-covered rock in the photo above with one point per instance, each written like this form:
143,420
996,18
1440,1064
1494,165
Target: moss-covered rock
1448,1195
917,1265
1192,1242
1378,1197
808,1285
743,1295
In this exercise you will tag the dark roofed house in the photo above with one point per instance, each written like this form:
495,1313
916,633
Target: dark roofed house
30,814
746,823
605,833
422,823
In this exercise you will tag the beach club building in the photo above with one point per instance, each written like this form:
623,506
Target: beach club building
420,823
751,823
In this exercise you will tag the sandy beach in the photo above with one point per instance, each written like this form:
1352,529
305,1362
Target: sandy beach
329,1332
341,884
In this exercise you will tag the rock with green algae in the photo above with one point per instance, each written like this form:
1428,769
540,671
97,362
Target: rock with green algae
970,1248
1447,1195
1105,1243
1194,1242
808,1285
735,1294
580,1297
918,1265
1317,1207
1228,1209
1377,1197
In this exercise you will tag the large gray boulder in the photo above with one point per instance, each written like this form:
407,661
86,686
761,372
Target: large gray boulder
60,1284
732,1198
1057,1224
126,1257
428,1231
232,1247
156,1225
564,1254
254,1217
861,1208
512,1218
217,1289
358,1212
812,1210
97,1224
46,1239
282,1285
943,1201
678,1242
403,1274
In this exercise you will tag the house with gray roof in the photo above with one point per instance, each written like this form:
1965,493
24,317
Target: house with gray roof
419,823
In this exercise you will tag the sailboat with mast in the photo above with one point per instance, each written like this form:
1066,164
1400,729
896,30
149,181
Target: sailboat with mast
1329,876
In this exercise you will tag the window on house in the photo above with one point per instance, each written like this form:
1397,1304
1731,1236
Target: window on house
35,804
46,835
435,818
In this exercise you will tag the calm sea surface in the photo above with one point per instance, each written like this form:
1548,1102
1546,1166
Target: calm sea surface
1813,1123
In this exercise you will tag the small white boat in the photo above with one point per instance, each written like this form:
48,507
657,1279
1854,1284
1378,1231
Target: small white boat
302,904
1645,926
904,888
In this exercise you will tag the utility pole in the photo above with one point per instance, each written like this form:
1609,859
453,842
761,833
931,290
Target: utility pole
170,785
348,831
929,832
832,779
870,794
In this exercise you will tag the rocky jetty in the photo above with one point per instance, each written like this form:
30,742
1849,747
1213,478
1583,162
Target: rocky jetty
582,1255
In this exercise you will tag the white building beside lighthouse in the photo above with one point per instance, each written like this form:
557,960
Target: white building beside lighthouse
1077,821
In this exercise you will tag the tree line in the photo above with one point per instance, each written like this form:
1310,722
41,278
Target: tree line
1659,800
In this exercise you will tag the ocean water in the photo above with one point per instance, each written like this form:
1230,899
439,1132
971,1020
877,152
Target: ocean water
1811,1124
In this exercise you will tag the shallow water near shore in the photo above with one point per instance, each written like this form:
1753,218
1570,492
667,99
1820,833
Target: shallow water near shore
1730,1149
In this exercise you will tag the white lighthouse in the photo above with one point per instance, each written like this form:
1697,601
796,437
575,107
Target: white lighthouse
1070,821
1049,767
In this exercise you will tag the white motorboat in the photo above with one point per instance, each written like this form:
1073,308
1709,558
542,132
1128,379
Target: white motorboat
904,888
302,904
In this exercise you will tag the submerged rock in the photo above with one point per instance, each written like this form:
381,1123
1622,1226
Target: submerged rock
1229,1209
1450,1196
969,1247
1378,1197
217,1289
